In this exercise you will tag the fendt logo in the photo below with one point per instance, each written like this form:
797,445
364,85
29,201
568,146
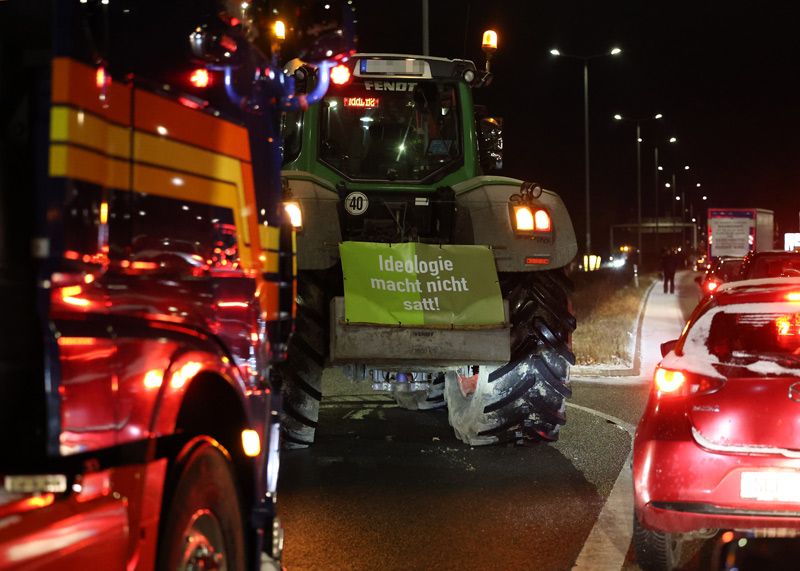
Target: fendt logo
390,85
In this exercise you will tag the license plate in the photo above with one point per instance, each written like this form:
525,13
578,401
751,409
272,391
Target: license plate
771,486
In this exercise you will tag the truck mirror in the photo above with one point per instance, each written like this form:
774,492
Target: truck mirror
490,143
214,45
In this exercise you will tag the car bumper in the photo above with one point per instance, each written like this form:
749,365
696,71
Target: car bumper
680,486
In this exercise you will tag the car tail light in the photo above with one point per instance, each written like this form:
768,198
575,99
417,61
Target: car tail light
793,296
669,381
711,286
672,383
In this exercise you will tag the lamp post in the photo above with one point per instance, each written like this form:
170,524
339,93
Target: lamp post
585,59
638,121
656,169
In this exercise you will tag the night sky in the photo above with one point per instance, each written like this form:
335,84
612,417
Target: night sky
725,77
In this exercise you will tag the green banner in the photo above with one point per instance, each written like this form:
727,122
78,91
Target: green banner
420,285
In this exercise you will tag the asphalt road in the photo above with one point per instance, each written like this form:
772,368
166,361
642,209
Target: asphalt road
385,488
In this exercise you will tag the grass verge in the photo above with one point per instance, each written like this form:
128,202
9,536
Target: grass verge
606,306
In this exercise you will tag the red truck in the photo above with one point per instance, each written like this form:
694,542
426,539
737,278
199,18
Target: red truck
146,269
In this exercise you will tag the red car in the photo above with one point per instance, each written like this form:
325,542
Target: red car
718,445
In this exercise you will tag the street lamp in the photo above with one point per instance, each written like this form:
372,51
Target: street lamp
585,59
639,121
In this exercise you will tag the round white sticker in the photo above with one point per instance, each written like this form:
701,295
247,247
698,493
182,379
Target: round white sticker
356,203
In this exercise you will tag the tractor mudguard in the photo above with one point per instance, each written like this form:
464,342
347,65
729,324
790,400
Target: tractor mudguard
483,204
318,241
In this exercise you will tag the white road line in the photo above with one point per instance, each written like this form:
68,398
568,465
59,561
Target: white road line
610,538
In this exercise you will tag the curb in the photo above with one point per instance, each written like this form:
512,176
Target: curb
635,369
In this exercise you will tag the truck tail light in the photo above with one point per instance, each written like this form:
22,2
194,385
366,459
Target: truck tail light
200,78
340,74
251,443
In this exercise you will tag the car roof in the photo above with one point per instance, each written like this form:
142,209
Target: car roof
762,290
773,254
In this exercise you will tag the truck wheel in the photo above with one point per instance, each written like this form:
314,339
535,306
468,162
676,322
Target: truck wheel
431,399
204,527
301,374
525,399
656,550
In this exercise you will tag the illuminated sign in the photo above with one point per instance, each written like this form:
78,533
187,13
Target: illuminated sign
362,102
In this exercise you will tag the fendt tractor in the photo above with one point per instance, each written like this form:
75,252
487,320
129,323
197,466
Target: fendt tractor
419,272
146,272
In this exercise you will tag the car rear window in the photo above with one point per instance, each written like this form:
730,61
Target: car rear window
760,338
729,269
775,267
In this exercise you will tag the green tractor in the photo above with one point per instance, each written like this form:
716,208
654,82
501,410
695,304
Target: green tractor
398,155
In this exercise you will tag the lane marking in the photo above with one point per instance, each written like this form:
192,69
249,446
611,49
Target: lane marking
610,538
609,380
626,426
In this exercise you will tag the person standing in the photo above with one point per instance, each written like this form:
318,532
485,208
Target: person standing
669,263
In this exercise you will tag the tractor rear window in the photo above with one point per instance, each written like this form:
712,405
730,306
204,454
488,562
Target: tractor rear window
407,134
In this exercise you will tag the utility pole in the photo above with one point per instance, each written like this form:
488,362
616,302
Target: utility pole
658,214
639,191
426,48
586,151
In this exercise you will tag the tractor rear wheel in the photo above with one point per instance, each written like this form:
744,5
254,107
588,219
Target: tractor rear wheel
301,374
524,399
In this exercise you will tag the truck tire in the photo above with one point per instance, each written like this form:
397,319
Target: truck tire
656,550
202,523
431,399
301,374
525,399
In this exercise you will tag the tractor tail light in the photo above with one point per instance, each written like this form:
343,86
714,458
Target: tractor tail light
523,219
541,220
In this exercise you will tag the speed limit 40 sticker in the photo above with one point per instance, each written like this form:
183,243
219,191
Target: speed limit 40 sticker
356,203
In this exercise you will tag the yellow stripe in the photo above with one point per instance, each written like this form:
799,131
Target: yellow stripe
72,162
171,154
270,237
69,125
159,182
270,262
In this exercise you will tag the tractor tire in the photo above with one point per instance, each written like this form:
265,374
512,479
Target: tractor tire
301,374
525,399
203,526
656,550
432,399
